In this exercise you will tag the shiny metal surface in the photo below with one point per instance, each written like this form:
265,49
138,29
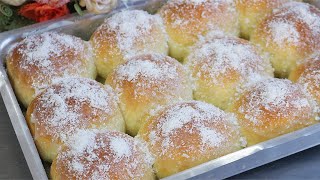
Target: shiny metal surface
223,167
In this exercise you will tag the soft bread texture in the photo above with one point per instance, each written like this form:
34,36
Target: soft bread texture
187,134
91,154
308,75
273,107
39,60
145,83
69,105
252,12
289,35
186,20
221,65
127,34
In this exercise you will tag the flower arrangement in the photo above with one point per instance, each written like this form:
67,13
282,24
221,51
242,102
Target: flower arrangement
18,13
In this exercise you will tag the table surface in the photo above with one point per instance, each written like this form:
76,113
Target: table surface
303,165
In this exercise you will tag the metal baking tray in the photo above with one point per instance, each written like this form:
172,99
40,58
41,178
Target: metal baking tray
83,26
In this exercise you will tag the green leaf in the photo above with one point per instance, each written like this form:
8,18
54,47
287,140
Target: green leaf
5,10
78,9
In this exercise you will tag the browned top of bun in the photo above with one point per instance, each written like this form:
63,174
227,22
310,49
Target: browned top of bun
294,24
308,73
149,79
68,105
123,32
103,155
258,5
188,130
38,59
222,60
187,19
273,106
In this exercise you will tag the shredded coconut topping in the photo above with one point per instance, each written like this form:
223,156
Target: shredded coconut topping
218,57
207,126
193,18
70,104
294,23
304,12
147,69
200,2
96,154
275,98
132,28
284,31
120,147
151,75
51,55
310,78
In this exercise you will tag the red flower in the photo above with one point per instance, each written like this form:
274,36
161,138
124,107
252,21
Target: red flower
54,3
42,12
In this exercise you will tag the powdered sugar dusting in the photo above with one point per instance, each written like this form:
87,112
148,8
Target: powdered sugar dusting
147,72
310,78
70,104
177,118
289,23
97,154
216,3
120,147
80,141
131,29
195,2
283,31
51,55
147,69
312,82
217,57
185,13
275,96
305,12
147,83
193,118
210,136
274,93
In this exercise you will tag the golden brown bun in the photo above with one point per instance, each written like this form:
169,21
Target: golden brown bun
68,105
251,13
92,154
187,134
186,20
127,34
308,74
289,35
38,60
272,107
147,82
221,65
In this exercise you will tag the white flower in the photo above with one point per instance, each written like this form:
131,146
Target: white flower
13,2
99,6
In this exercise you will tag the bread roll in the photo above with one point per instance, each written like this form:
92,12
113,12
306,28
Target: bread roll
92,154
38,60
68,105
145,83
186,20
127,34
289,35
308,75
272,107
187,134
251,13
221,65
